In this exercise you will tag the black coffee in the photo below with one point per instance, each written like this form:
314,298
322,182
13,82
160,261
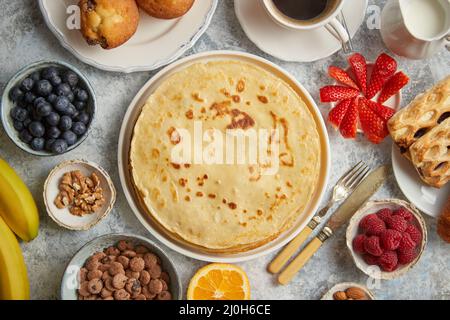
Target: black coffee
302,9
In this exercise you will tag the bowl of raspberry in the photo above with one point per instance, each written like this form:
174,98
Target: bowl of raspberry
386,238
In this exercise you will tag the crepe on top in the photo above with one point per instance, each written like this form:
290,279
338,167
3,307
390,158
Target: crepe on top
225,207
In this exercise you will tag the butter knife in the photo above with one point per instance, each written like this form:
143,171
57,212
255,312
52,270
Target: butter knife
359,197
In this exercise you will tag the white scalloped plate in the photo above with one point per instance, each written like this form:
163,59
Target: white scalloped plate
156,43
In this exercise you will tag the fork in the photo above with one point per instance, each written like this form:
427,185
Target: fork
343,188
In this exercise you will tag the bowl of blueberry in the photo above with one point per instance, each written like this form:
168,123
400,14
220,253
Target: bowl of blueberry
47,108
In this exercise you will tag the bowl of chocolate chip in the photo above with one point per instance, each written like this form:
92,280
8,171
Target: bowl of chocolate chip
120,267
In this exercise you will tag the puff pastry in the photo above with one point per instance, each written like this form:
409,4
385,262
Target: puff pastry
422,115
431,155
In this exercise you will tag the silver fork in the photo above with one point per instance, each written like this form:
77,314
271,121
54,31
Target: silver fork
343,188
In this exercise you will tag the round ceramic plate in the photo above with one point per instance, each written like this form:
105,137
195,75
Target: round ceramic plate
294,45
156,43
427,199
176,244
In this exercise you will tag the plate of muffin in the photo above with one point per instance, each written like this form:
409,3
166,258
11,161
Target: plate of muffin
128,35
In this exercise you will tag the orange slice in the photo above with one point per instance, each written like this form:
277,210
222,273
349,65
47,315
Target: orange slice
219,281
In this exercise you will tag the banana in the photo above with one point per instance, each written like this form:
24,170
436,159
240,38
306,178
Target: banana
17,206
13,272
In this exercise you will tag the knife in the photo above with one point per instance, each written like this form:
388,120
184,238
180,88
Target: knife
359,197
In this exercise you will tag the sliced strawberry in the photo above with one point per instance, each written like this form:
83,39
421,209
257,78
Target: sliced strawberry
359,67
374,127
382,111
349,124
341,76
338,113
337,93
384,68
392,86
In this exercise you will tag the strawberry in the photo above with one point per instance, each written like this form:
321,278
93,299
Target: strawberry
392,86
384,68
373,126
341,76
349,124
359,68
338,113
337,93
382,111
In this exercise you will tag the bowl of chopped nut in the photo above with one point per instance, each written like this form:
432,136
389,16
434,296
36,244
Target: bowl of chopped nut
78,194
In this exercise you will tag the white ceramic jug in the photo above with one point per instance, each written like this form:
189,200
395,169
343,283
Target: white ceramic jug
416,29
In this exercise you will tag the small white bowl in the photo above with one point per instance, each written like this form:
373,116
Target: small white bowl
353,230
344,286
62,216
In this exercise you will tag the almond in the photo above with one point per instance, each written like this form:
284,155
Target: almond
340,295
355,293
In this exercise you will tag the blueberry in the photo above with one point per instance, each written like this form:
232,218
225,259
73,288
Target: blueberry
55,80
16,94
37,144
19,114
35,116
82,95
37,129
61,103
65,123
71,111
79,105
44,109
52,98
26,122
49,144
18,125
49,73
71,96
52,119
79,128
63,89
71,78
70,137
35,76
25,136
83,117
53,133
38,100
29,97
43,88
27,84
59,146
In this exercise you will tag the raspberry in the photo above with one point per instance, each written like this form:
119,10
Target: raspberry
397,223
406,256
390,239
358,243
364,221
406,243
404,213
415,233
385,213
375,226
372,246
370,260
388,261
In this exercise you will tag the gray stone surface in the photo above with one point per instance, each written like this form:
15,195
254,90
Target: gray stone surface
25,39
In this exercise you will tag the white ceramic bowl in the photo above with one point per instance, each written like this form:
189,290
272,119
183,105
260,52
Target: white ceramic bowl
124,170
353,230
62,216
70,283
344,286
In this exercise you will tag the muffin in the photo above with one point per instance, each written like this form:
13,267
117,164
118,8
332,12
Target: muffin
166,9
109,23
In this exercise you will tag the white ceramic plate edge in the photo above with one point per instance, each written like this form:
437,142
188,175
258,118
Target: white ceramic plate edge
182,48
205,256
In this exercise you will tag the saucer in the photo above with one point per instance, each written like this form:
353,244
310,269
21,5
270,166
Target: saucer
294,45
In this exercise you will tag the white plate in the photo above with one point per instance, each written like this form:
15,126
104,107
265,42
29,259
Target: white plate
156,43
294,45
126,132
427,199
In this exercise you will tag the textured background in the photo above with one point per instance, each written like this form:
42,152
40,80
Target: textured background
25,39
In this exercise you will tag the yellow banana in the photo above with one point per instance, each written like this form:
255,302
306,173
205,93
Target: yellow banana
13,272
17,206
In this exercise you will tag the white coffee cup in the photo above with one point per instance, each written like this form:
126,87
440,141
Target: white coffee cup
328,20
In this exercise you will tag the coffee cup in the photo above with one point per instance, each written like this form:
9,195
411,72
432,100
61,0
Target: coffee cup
309,15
